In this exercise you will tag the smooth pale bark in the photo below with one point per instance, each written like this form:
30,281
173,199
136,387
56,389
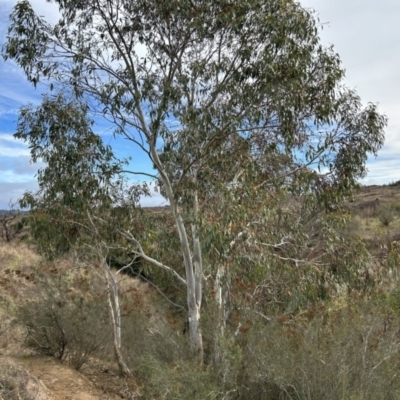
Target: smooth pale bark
193,266
196,338
113,300
115,315
197,256
220,301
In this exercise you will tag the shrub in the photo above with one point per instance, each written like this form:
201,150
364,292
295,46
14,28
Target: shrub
386,215
160,358
143,336
64,324
184,380
349,354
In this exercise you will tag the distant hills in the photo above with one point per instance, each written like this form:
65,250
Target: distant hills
2,212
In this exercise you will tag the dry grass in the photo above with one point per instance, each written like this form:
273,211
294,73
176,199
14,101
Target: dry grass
384,193
18,266
18,384
16,256
370,224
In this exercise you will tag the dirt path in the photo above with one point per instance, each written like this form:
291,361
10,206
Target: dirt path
61,381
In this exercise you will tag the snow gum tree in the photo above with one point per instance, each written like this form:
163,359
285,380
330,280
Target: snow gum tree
233,102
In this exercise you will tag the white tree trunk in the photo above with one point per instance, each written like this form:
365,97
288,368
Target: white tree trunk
115,314
220,300
196,339
193,266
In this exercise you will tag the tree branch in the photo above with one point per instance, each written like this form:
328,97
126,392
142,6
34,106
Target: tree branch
151,260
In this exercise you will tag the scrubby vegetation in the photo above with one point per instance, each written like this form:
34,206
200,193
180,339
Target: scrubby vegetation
66,320
18,384
343,341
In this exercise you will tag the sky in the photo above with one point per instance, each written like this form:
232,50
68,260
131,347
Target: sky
365,33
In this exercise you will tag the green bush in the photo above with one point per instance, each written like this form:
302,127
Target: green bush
64,324
143,336
183,380
351,353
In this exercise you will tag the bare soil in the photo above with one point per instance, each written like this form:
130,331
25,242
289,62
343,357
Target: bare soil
60,381
46,378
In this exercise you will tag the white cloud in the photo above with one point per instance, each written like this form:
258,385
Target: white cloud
10,147
13,151
12,191
6,137
10,176
156,200
48,10
17,168
366,34
382,171
13,94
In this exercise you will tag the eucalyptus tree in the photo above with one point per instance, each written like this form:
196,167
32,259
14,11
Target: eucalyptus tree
220,95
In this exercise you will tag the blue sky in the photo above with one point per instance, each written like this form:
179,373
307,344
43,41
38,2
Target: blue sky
365,33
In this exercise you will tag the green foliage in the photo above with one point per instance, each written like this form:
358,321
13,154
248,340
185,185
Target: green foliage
292,256
161,242
158,353
182,380
65,324
80,173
